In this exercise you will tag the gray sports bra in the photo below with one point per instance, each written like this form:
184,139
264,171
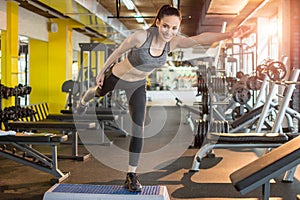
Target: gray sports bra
141,58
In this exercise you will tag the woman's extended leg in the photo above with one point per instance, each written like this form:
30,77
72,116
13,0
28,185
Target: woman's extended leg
110,82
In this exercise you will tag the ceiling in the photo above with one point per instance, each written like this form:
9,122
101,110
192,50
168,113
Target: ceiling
196,15
103,19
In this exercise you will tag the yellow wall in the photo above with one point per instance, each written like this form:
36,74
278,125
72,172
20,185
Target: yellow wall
56,67
50,63
3,53
10,53
38,80
60,56
51,66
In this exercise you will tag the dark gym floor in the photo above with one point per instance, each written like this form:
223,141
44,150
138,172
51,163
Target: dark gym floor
211,182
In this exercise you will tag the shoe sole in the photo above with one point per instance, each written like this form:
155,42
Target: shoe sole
130,190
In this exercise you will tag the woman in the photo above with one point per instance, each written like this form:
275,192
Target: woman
148,51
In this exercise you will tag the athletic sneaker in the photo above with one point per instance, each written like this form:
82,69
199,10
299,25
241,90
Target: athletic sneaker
132,183
81,109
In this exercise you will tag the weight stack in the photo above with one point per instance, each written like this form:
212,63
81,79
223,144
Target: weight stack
201,130
204,127
219,126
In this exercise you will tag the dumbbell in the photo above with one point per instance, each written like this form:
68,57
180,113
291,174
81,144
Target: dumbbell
241,94
5,91
1,115
253,83
276,71
27,90
9,113
27,112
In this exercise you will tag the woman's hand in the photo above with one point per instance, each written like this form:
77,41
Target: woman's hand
242,31
100,79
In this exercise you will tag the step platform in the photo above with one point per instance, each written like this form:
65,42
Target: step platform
104,192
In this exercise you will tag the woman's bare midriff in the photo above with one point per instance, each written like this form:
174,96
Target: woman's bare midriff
125,71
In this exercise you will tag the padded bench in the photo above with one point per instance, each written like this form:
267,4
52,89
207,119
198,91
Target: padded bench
58,126
120,113
74,117
42,114
24,153
237,140
106,111
42,120
49,125
102,119
269,166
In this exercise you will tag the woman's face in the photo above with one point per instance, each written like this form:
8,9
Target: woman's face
168,27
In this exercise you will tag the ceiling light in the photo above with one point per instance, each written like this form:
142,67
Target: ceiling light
175,3
139,19
129,4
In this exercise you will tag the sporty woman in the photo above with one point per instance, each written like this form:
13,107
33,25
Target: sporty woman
146,50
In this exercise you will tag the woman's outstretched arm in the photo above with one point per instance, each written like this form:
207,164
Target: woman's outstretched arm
208,37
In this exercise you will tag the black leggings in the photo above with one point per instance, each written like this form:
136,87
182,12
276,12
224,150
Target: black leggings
136,96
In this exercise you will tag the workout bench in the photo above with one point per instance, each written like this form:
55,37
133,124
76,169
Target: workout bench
39,122
42,113
32,157
237,140
87,118
261,171
257,139
119,113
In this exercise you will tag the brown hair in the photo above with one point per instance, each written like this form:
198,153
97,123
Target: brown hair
166,10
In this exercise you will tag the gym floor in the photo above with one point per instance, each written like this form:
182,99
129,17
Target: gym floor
211,182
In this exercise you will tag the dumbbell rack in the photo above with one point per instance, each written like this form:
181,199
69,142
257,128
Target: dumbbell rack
17,92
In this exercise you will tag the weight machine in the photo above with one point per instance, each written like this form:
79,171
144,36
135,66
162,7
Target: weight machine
251,140
209,112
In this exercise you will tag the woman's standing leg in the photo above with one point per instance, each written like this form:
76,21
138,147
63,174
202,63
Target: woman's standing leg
137,109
